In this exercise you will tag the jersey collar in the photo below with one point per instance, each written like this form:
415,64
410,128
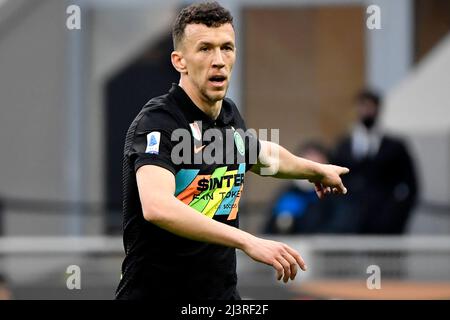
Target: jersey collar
194,113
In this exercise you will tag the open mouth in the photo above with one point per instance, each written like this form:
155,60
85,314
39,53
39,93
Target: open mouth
218,80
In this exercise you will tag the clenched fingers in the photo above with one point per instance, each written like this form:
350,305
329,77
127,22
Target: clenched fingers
319,190
341,189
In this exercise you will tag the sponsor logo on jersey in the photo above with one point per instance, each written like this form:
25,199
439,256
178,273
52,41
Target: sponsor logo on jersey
214,194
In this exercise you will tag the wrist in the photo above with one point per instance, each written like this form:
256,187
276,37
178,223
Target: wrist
244,240
317,172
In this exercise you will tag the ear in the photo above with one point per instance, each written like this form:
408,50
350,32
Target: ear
178,62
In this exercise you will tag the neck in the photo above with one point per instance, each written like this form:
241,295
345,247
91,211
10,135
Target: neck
211,108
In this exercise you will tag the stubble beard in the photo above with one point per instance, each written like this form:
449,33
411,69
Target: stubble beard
213,98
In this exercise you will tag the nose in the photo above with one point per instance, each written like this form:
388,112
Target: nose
218,59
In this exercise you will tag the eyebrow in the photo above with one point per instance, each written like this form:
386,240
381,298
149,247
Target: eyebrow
206,43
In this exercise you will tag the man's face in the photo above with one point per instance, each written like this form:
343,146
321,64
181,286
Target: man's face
367,112
209,54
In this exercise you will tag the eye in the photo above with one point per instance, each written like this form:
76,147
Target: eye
204,49
228,48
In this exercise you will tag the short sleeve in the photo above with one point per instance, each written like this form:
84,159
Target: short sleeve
151,143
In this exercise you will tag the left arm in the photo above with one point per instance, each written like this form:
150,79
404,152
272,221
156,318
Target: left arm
276,161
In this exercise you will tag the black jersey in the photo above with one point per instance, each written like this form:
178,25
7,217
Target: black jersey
160,264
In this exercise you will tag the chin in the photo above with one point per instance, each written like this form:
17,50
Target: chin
219,96
216,95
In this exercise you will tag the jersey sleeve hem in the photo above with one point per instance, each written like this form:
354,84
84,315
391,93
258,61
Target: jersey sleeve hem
156,162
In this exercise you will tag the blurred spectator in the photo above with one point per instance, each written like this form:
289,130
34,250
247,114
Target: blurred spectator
382,182
1,216
5,292
297,209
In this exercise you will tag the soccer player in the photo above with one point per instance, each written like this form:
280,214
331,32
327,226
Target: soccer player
180,214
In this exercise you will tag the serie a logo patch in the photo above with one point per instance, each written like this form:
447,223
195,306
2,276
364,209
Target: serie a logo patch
153,140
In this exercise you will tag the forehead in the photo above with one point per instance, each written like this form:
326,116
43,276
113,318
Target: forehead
196,33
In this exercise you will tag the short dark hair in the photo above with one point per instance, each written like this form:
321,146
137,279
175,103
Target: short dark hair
367,94
209,13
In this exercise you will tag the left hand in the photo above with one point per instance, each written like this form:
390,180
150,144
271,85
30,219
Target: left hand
329,180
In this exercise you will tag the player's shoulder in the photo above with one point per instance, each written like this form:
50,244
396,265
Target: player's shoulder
160,112
161,106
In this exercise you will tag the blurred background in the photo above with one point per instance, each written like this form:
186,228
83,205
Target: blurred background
339,91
